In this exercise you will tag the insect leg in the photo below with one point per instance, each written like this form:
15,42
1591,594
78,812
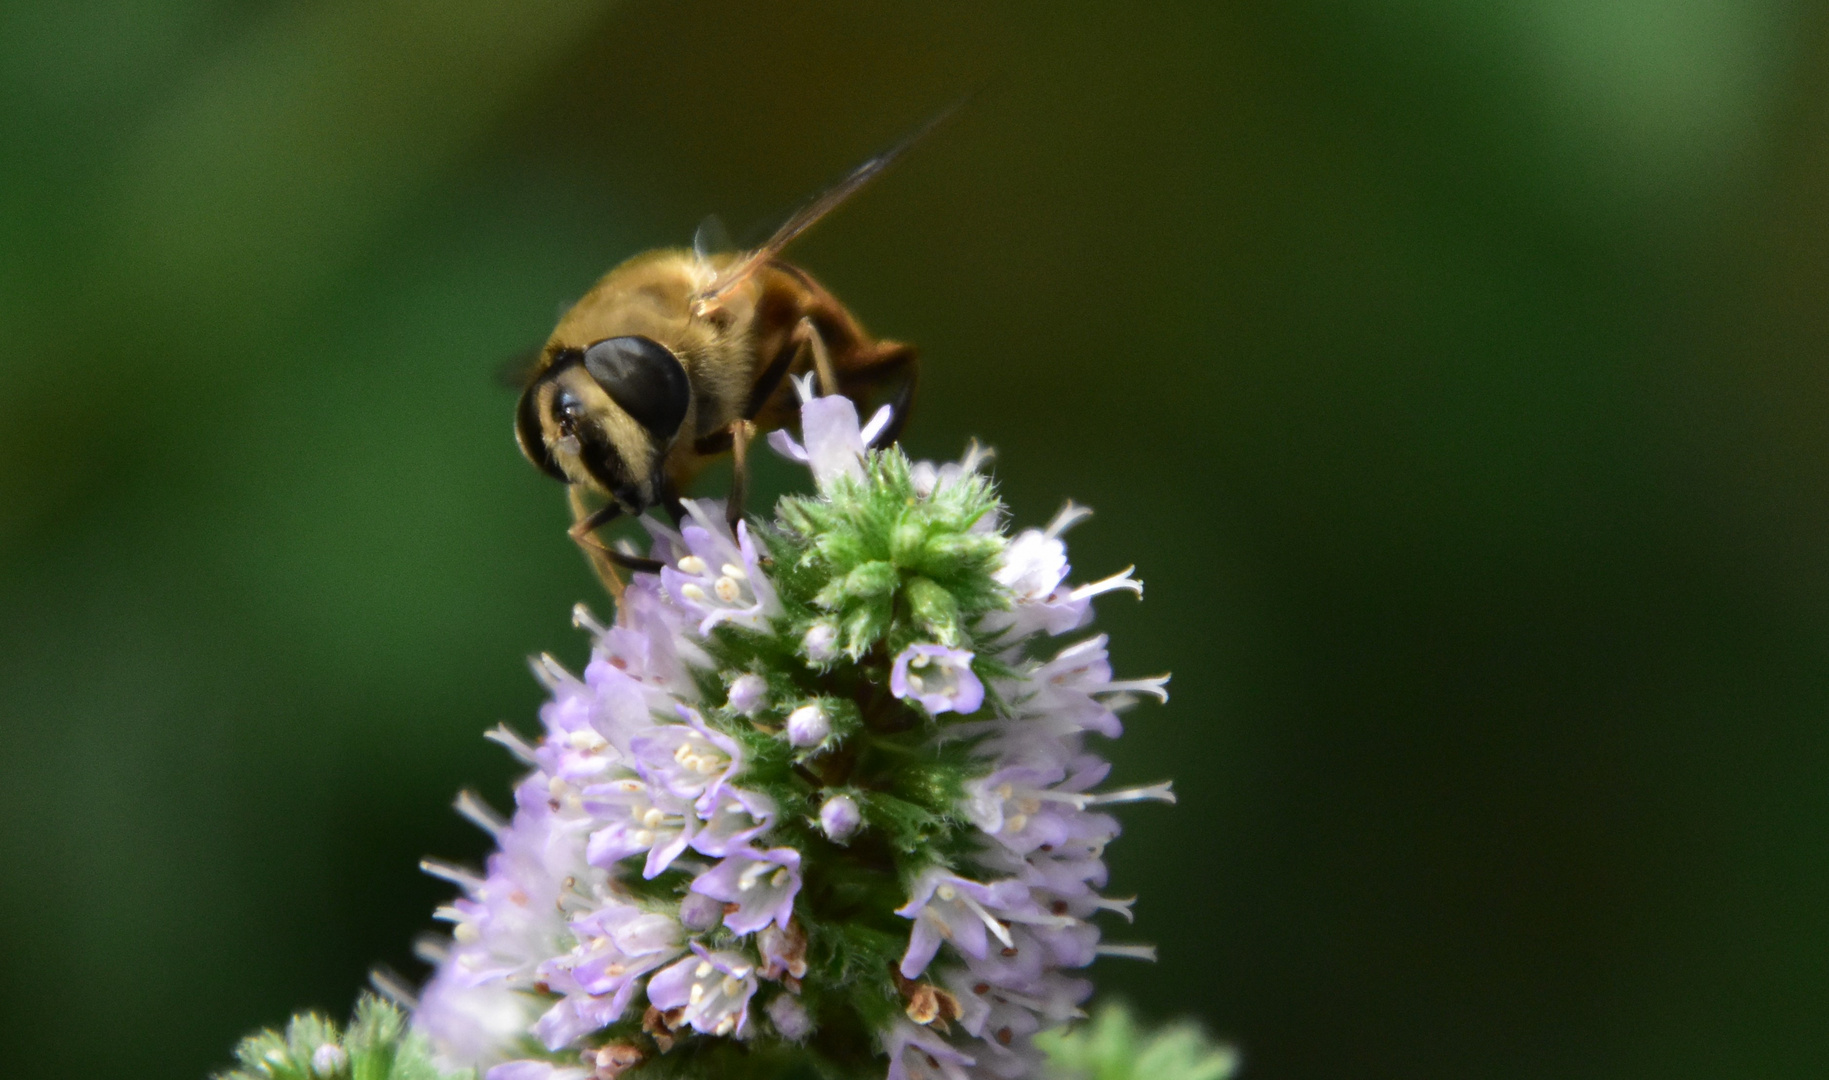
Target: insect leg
822,359
604,559
741,431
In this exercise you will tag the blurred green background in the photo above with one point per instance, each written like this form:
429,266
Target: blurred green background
1454,373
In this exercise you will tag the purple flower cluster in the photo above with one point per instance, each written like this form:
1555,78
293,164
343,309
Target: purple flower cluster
637,781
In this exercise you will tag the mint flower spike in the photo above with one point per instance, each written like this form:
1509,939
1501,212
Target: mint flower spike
826,792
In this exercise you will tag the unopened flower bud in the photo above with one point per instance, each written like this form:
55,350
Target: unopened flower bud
840,817
700,912
747,694
328,1059
820,643
808,726
790,1017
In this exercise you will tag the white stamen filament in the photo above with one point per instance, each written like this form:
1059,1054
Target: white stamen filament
1070,515
1130,952
584,619
1035,1004
1162,792
752,874
551,673
431,950
479,813
991,922
1120,580
456,875
1152,686
503,736
1122,907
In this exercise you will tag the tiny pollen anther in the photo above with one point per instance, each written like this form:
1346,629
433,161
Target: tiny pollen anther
692,592
728,590
731,570
693,565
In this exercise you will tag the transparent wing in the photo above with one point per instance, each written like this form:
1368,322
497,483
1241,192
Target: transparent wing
821,205
711,237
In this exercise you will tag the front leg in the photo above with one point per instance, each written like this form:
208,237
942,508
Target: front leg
604,559
741,432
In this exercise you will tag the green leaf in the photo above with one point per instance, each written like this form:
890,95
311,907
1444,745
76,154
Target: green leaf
1113,1047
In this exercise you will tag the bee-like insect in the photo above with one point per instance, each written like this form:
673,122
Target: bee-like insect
679,356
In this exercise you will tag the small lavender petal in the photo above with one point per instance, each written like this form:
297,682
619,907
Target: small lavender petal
939,678
762,884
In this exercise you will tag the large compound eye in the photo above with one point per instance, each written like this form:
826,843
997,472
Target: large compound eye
643,377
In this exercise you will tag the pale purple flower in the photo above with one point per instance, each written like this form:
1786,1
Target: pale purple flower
641,818
762,884
947,907
930,479
690,760
617,944
719,579
748,694
784,951
713,988
940,678
808,726
839,817
1066,693
789,1017
736,817
834,444
918,1053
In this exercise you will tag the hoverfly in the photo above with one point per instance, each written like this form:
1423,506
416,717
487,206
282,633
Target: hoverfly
681,355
